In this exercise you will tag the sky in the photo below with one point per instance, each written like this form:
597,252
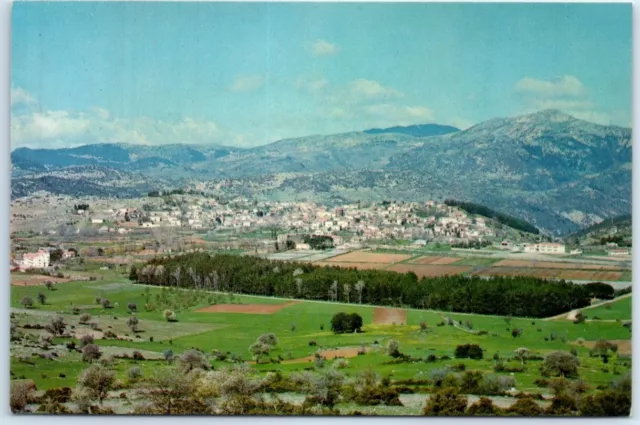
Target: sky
246,74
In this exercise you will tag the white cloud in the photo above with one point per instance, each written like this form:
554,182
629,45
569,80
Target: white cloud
567,94
567,85
311,85
19,96
324,48
372,89
63,129
247,83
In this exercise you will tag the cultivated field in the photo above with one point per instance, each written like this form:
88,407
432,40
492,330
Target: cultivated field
554,265
369,257
428,270
360,266
435,260
551,273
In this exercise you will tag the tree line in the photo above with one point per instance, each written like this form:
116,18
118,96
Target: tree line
517,296
507,220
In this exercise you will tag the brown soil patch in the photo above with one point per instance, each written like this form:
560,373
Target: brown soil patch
554,265
360,266
369,257
246,308
428,270
435,260
195,240
329,355
624,345
34,279
552,273
389,316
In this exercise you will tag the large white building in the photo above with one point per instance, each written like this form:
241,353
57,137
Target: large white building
546,248
35,260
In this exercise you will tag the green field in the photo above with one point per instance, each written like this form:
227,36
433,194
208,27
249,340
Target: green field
235,332
619,309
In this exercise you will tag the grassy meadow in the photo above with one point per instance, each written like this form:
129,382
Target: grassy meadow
295,326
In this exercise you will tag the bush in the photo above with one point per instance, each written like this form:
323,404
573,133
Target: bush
431,358
471,351
86,340
525,407
312,343
132,307
496,384
484,407
19,395
542,383
27,302
560,363
137,355
134,373
169,315
393,348
346,323
105,303
193,359
84,318
445,403
90,353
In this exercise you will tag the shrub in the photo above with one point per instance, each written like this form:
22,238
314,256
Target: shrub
193,359
97,381
132,323
423,326
86,340
446,402
312,343
516,332
345,323
525,407
340,363
57,325
484,407
42,298
560,363
90,353
76,311
169,315
19,395
106,303
495,384
27,302
132,307
134,373
393,348
471,351
431,358
137,355
84,318
540,382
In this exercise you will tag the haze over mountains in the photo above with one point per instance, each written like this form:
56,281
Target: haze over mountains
558,172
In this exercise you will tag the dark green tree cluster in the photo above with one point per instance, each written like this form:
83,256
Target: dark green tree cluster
344,323
507,220
600,290
471,351
517,296
319,242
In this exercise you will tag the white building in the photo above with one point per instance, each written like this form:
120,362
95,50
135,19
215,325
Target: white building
35,260
546,248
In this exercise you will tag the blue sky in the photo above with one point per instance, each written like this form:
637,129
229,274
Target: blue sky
249,73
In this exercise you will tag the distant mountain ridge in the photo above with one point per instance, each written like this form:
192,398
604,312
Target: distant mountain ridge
553,170
420,130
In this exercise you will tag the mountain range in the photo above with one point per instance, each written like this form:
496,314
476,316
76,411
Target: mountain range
556,171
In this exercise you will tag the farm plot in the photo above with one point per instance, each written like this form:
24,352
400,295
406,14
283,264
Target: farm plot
435,260
245,308
554,265
389,316
33,279
359,266
369,257
429,270
551,273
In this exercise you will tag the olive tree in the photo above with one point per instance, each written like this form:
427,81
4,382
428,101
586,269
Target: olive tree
97,381
560,363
